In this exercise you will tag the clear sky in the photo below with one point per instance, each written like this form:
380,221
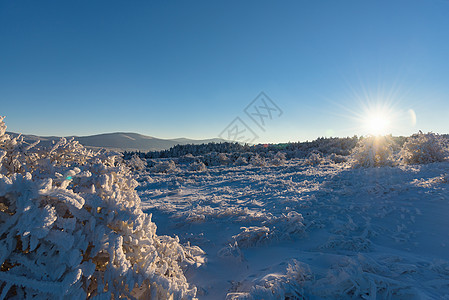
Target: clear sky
188,68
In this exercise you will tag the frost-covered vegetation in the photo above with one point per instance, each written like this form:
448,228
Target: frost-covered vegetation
324,226
353,218
374,151
340,146
420,148
370,151
423,148
218,154
71,226
309,222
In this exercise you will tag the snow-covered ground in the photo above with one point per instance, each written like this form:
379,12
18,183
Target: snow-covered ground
255,223
299,231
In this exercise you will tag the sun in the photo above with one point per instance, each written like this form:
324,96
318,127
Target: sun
376,111
377,123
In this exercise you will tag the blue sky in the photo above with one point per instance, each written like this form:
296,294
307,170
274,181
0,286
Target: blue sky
188,68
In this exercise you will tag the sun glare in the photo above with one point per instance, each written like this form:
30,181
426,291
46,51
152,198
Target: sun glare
377,123
377,112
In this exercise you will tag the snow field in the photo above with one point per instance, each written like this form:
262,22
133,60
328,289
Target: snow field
303,231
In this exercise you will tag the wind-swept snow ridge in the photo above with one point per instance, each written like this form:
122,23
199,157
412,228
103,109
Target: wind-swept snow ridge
71,225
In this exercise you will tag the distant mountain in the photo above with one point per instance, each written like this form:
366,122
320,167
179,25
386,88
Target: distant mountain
121,141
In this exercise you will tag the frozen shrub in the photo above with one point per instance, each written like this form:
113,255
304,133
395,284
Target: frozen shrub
257,161
216,159
164,167
197,166
423,148
291,224
243,158
186,159
278,159
338,159
374,151
241,161
234,156
71,226
223,159
252,236
299,154
353,243
314,158
136,163
291,285
231,251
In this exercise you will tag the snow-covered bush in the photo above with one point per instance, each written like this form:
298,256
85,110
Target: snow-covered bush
187,159
257,161
215,159
71,226
223,158
241,161
291,285
252,236
289,225
278,159
243,158
136,163
197,166
164,167
231,251
338,159
315,158
374,151
423,148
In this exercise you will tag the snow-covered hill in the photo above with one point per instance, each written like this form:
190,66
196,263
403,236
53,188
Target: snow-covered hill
121,141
